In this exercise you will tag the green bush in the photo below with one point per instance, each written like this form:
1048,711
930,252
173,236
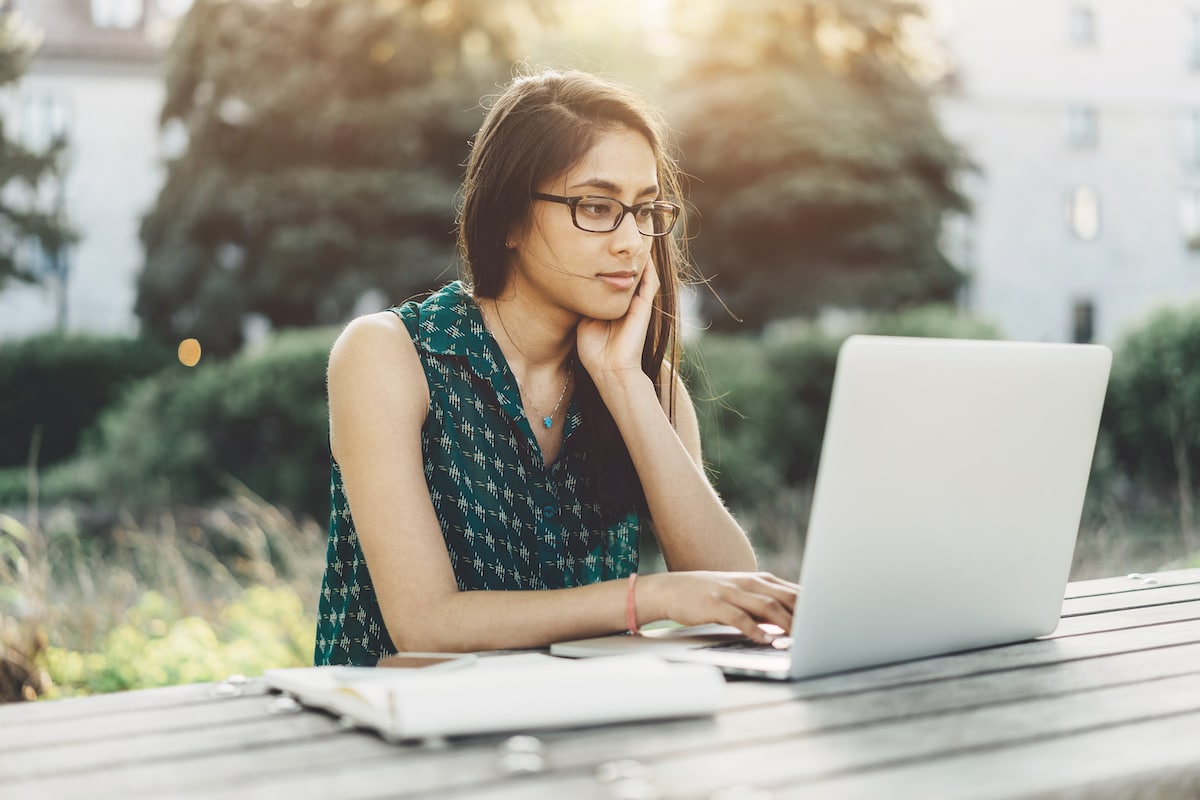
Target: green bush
761,403
58,385
762,400
1151,418
264,628
260,418
70,481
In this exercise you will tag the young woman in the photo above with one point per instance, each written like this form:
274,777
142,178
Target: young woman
498,447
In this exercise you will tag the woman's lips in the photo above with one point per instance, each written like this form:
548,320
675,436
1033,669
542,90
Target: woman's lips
619,280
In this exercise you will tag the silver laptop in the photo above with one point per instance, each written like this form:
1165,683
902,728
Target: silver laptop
946,507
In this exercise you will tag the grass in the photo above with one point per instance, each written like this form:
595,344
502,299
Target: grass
100,602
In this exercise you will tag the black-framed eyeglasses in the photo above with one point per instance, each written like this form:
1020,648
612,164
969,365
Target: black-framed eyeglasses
604,214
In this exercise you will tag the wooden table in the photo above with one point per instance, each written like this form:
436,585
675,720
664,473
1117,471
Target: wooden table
1109,706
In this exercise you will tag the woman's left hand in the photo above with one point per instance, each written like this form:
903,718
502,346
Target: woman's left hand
611,350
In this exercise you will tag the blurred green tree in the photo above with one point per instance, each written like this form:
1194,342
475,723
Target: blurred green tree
1151,424
821,176
30,213
324,140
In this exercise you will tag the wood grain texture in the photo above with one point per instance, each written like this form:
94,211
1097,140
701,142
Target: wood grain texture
1108,707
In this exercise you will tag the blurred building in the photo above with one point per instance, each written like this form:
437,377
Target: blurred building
98,78
1084,119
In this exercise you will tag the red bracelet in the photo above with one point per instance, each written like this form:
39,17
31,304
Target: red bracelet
631,605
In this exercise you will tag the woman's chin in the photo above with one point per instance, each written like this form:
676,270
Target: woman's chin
612,310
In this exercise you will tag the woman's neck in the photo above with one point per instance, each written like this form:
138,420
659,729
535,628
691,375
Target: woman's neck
535,341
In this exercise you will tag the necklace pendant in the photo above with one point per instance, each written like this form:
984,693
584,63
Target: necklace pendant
548,422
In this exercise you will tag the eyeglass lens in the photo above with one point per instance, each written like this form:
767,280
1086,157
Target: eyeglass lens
600,215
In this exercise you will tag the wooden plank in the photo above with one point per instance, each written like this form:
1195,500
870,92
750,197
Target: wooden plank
812,763
472,765
119,722
130,749
1159,595
1148,759
283,750
1128,583
1127,618
43,711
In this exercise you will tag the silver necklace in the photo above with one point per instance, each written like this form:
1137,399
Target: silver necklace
547,419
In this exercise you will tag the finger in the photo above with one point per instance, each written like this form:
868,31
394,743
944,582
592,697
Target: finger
773,578
782,592
746,610
650,283
744,622
767,609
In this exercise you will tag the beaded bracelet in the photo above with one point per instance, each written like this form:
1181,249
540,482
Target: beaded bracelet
631,605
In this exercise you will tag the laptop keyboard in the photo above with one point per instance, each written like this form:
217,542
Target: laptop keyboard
779,643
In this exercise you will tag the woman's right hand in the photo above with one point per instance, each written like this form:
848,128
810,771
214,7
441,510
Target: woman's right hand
741,599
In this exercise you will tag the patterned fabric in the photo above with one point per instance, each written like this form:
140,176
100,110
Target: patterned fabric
509,522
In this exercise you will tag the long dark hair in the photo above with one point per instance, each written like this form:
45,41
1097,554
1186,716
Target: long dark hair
537,129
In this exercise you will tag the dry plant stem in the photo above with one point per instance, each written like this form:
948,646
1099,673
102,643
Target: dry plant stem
35,444
1183,474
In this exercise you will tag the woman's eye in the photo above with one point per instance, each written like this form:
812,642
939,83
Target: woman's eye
596,209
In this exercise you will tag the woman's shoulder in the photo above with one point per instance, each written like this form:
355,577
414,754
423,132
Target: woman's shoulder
372,348
395,327
375,380
379,330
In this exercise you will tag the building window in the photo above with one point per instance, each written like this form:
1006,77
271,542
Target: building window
120,14
1189,218
1193,27
173,9
1190,144
1083,321
1083,213
1082,25
44,118
1082,127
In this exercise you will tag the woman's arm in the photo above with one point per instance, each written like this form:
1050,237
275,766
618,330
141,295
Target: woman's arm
694,529
378,399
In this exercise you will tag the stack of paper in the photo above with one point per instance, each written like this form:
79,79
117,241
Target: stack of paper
506,693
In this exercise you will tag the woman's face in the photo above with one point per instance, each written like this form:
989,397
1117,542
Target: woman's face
588,274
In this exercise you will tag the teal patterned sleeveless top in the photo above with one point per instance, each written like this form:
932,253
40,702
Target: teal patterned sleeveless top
509,522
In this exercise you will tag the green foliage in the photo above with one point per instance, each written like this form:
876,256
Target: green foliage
762,413
764,398
55,387
26,215
1152,411
822,174
22,630
325,144
260,417
69,481
264,628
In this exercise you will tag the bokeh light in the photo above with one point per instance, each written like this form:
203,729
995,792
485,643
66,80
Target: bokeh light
189,352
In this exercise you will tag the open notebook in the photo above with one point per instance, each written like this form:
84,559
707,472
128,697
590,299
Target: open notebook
505,693
946,506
